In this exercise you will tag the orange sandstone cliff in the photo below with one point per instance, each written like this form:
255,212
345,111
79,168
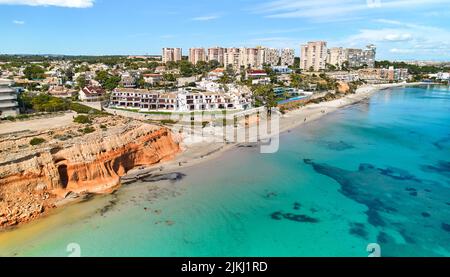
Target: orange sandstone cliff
32,180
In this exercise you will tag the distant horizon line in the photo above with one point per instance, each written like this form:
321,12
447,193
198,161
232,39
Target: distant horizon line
159,55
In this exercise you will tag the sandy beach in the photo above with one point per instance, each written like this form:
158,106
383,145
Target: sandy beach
208,148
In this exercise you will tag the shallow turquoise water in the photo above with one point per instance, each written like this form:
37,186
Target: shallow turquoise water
375,172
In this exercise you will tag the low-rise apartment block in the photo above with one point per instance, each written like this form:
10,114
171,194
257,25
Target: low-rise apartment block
183,100
383,75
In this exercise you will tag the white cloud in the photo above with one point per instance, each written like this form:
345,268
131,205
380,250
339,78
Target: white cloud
57,3
401,51
329,9
403,38
382,35
18,22
205,18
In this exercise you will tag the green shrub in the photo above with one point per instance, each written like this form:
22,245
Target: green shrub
23,116
37,141
80,108
168,122
10,118
82,119
87,130
103,127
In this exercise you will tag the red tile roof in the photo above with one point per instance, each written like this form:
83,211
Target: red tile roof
94,91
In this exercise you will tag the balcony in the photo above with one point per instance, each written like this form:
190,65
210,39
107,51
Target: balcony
8,104
8,97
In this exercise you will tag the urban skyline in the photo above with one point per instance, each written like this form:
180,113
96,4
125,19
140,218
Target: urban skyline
88,27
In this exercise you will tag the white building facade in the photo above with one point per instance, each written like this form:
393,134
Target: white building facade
183,100
8,101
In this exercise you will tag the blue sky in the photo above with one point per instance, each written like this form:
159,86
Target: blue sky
402,29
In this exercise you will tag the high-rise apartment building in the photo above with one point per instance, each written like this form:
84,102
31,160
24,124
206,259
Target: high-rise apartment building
251,57
361,57
271,56
197,55
216,54
336,56
314,56
171,54
287,57
232,56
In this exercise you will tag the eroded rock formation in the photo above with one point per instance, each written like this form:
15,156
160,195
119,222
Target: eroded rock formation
32,179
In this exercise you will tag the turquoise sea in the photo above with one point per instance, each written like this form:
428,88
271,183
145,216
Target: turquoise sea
375,172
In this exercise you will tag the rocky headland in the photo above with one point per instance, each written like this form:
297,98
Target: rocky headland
68,163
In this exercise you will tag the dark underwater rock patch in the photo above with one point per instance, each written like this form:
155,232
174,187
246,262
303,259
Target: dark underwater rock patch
407,237
297,206
446,227
337,145
398,174
300,218
374,218
270,195
359,230
277,216
383,191
441,168
383,238
293,217
172,177
442,143
107,208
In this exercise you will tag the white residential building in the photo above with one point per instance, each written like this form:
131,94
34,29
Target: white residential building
336,56
287,57
314,56
271,56
183,100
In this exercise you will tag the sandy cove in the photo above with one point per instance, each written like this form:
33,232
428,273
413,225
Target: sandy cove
195,153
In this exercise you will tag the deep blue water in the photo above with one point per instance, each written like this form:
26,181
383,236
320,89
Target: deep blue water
375,172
